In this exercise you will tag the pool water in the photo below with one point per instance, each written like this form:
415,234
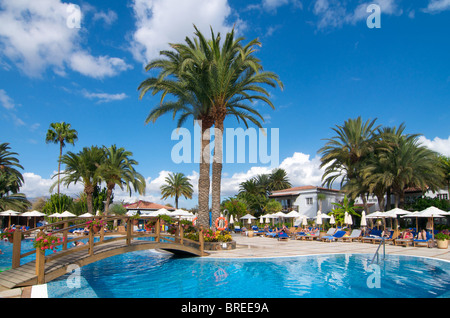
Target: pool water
149,274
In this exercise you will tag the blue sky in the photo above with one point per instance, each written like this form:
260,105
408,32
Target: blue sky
333,67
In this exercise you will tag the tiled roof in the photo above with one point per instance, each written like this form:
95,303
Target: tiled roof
145,205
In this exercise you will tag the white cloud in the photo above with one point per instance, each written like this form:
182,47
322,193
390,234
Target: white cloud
439,145
104,97
5,100
97,67
108,17
36,186
40,35
160,22
435,6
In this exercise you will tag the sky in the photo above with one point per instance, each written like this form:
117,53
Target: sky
81,62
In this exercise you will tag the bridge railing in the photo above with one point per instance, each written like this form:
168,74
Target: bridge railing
66,243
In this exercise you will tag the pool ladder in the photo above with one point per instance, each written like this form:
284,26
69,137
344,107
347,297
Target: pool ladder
383,242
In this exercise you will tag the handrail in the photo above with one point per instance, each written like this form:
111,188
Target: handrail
378,248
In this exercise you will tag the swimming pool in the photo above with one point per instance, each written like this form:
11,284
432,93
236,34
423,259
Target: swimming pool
149,274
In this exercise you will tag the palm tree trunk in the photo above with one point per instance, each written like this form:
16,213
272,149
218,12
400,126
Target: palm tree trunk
109,191
203,181
89,190
217,170
59,163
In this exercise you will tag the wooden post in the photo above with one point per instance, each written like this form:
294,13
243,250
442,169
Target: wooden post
65,233
40,266
102,232
17,245
201,240
181,234
158,230
129,231
91,241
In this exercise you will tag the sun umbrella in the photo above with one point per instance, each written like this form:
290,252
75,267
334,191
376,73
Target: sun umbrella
67,214
9,213
394,213
86,215
231,219
363,219
319,218
54,215
305,220
332,220
32,214
249,218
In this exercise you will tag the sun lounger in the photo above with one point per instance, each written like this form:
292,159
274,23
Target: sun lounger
283,236
355,235
237,229
427,241
392,237
374,234
333,237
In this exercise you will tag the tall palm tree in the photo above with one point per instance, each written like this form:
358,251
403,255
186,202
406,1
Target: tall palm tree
61,133
84,167
183,82
234,76
177,185
117,168
187,73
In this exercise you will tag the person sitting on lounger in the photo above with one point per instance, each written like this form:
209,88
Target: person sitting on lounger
407,235
422,235
385,233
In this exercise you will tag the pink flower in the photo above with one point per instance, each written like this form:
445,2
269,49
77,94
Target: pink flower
45,241
42,248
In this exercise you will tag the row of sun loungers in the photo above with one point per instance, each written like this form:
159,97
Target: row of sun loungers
337,235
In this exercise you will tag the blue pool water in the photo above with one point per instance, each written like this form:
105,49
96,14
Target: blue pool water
151,274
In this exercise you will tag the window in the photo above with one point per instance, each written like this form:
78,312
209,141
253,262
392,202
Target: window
309,201
442,196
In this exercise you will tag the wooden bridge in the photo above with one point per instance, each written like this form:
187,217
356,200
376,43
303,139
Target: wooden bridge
48,267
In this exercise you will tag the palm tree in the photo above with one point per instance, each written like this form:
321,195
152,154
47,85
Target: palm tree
344,155
187,73
118,169
233,76
11,180
177,185
84,167
445,161
61,133
279,180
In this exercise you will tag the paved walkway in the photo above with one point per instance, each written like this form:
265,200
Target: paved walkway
271,247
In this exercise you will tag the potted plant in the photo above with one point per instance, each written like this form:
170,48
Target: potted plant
442,240
8,234
47,242
96,225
